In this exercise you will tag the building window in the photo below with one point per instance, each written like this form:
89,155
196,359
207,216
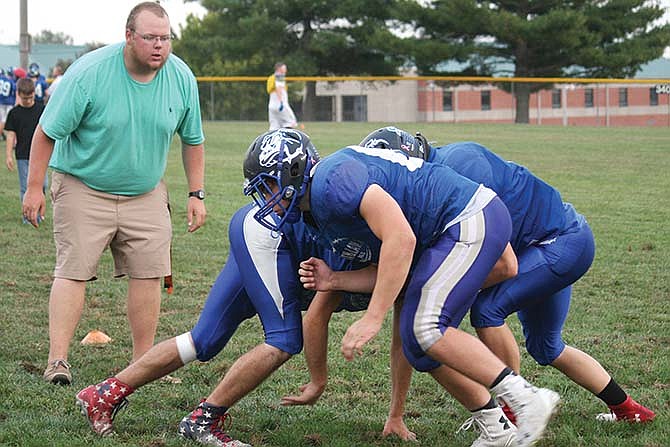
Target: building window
653,96
486,99
623,97
555,99
355,108
588,97
325,108
447,101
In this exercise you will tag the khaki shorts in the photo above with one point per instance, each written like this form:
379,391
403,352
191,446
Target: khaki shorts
137,229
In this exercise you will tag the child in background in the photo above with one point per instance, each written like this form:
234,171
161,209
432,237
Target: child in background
20,126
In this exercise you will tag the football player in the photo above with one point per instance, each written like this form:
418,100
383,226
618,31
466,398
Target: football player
419,222
259,278
554,247
7,97
40,81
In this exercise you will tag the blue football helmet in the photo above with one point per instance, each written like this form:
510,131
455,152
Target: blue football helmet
393,138
282,159
33,70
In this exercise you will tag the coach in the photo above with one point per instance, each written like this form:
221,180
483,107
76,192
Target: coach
106,133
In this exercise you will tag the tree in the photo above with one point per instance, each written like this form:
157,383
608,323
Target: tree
329,37
46,36
539,38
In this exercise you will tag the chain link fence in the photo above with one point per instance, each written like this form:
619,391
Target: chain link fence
545,101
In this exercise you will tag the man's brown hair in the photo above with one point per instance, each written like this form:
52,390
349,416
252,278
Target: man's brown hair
153,7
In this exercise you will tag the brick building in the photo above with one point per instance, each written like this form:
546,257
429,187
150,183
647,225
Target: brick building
634,103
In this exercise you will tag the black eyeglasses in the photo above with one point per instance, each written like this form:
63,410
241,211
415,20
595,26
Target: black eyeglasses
150,38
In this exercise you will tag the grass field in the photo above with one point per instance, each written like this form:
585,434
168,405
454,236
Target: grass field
619,178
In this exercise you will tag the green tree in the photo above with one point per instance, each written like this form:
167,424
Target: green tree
329,37
538,38
46,36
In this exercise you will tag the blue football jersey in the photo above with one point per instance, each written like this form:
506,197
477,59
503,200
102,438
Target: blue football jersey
304,242
7,91
536,208
41,87
432,198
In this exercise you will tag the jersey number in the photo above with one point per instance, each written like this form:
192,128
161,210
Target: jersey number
5,88
398,157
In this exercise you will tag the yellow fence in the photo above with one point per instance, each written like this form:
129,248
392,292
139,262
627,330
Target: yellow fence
559,101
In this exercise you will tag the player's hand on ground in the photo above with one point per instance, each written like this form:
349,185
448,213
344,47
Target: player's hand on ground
309,394
358,334
315,275
396,426
196,213
34,206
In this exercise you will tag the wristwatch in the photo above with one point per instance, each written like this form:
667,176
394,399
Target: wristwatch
198,194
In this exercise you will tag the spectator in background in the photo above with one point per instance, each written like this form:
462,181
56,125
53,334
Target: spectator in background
21,123
106,184
57,74
280,113
19,73
40,82
7,96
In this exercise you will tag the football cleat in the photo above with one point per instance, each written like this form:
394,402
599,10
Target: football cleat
494,428
100,403
628,411
532,406
508,412
206,425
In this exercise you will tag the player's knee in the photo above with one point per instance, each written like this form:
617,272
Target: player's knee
414,352
291,344
483,314
544,350
205,352
186,348
420,360
423,363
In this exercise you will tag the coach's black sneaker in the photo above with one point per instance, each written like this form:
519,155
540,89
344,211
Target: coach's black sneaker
205,425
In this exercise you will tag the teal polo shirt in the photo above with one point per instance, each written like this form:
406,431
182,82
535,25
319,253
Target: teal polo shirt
114,133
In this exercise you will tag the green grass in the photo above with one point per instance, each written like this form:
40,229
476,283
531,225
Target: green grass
619,178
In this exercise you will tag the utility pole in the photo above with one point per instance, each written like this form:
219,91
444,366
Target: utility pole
24,38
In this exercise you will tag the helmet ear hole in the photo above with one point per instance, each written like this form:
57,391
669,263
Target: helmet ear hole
295,170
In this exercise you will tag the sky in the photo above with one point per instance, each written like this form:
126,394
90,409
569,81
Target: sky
85,21
103,20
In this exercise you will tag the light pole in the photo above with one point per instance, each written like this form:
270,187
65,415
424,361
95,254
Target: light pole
24,38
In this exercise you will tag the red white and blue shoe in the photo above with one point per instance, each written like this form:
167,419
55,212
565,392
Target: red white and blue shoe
100,403
206,425
628,411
